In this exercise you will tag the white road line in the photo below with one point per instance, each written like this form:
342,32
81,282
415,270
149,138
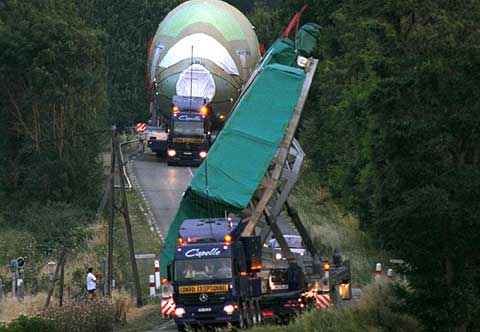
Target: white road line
190,171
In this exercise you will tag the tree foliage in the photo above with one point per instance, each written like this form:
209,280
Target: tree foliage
52,95
392,129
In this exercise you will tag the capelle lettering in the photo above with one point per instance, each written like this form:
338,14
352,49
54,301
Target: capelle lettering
199,254
189,118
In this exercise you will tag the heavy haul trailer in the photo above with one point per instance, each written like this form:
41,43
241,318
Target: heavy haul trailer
219,278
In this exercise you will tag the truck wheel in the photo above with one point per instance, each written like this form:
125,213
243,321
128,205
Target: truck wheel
253,313
248,315
241,319
181,328
258,311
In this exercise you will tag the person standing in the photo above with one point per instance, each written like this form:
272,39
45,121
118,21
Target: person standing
91,283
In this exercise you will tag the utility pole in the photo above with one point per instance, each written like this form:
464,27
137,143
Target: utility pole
128,227
55,276
112,214
62,280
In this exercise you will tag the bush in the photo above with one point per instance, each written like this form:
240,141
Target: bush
29,324
374,313
88,316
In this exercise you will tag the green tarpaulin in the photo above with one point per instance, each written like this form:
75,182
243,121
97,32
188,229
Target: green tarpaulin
242,152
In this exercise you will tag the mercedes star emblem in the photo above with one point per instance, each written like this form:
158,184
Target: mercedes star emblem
203,297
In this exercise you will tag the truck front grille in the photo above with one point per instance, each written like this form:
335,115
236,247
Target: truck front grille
194,299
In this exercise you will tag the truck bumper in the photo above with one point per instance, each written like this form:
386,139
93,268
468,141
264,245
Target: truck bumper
195,318
186,158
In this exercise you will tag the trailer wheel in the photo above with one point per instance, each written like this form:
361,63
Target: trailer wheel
258,312
253,313
241,319
181,328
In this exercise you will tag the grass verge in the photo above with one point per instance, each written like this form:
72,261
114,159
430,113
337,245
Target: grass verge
332,228
375,313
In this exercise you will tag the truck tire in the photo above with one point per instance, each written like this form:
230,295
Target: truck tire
253,313
241,319
258,311
181,328
248,315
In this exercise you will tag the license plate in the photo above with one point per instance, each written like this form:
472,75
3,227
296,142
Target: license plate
188,153
202,289
204,309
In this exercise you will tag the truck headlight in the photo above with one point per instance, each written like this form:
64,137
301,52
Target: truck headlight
203,154
172,153
278,255
229,309
179,312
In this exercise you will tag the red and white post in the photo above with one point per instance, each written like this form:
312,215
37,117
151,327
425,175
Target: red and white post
157,274
152,285
378,271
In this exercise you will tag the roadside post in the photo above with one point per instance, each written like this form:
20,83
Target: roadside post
51,265
378,271
151,280
156,265
1,290
390,274
20,283
13,269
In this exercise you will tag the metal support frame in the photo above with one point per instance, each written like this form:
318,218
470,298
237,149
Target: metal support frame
280,179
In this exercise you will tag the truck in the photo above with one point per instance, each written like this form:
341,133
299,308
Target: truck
222,278
189,131
156,137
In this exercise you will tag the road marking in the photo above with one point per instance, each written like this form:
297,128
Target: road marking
190,171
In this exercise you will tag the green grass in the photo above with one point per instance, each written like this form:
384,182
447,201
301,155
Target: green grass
332,228
146,320
145,239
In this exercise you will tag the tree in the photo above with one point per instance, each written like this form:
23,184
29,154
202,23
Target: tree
393,132
128,26
52,102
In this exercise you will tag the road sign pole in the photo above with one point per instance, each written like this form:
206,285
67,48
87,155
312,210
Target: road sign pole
14,283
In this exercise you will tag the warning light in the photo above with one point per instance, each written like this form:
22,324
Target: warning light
204,110
228,238
326,266
243,274
164,281
180,241
175,109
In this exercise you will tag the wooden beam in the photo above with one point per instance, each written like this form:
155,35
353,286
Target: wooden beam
282,152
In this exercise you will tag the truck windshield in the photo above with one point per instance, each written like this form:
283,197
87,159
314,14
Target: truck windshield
188,128
203,269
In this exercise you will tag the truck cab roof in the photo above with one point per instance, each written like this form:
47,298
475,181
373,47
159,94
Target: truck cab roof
188,103
208,230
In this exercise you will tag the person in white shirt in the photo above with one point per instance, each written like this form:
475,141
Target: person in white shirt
91,283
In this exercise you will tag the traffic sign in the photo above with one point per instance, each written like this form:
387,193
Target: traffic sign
141,127
20,262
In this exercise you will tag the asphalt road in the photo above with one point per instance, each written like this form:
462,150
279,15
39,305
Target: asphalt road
162,186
